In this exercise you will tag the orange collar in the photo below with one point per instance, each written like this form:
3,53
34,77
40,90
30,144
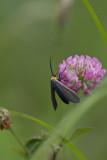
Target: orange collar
53,77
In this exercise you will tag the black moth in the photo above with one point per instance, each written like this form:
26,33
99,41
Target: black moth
63,92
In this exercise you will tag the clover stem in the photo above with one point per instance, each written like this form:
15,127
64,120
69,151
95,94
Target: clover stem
19,141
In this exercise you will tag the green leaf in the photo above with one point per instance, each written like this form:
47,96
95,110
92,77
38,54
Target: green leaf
19,151
79,132
33,144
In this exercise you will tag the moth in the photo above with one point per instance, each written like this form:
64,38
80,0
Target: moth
66,94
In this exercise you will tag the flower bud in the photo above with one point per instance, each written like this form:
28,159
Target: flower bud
5,121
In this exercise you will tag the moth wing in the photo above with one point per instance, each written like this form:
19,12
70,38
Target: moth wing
68,94
59,92
53,97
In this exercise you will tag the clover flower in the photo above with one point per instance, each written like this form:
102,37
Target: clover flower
81,73
5,121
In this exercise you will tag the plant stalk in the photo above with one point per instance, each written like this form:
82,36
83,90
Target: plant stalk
19,141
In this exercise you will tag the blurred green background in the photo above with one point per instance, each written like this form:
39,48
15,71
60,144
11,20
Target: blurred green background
30,33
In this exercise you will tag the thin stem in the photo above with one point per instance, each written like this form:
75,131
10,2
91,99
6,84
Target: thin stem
33,119
18,140
56,151
54,156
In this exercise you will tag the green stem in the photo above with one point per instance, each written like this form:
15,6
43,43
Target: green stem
97,21
18,140
76,151
34,119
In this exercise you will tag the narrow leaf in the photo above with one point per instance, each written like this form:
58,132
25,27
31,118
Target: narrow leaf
19,114
79,132
97,21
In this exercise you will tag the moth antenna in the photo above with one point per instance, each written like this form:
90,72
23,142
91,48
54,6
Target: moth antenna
51,66
62,71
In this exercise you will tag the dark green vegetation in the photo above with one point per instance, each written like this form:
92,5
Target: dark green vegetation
29,34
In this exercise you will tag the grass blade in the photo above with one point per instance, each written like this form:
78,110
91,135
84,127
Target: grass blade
97,21
33,119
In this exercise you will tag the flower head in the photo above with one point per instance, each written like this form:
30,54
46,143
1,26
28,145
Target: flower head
81,73
5,121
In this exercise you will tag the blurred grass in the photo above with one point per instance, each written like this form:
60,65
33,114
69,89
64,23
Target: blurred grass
29,34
